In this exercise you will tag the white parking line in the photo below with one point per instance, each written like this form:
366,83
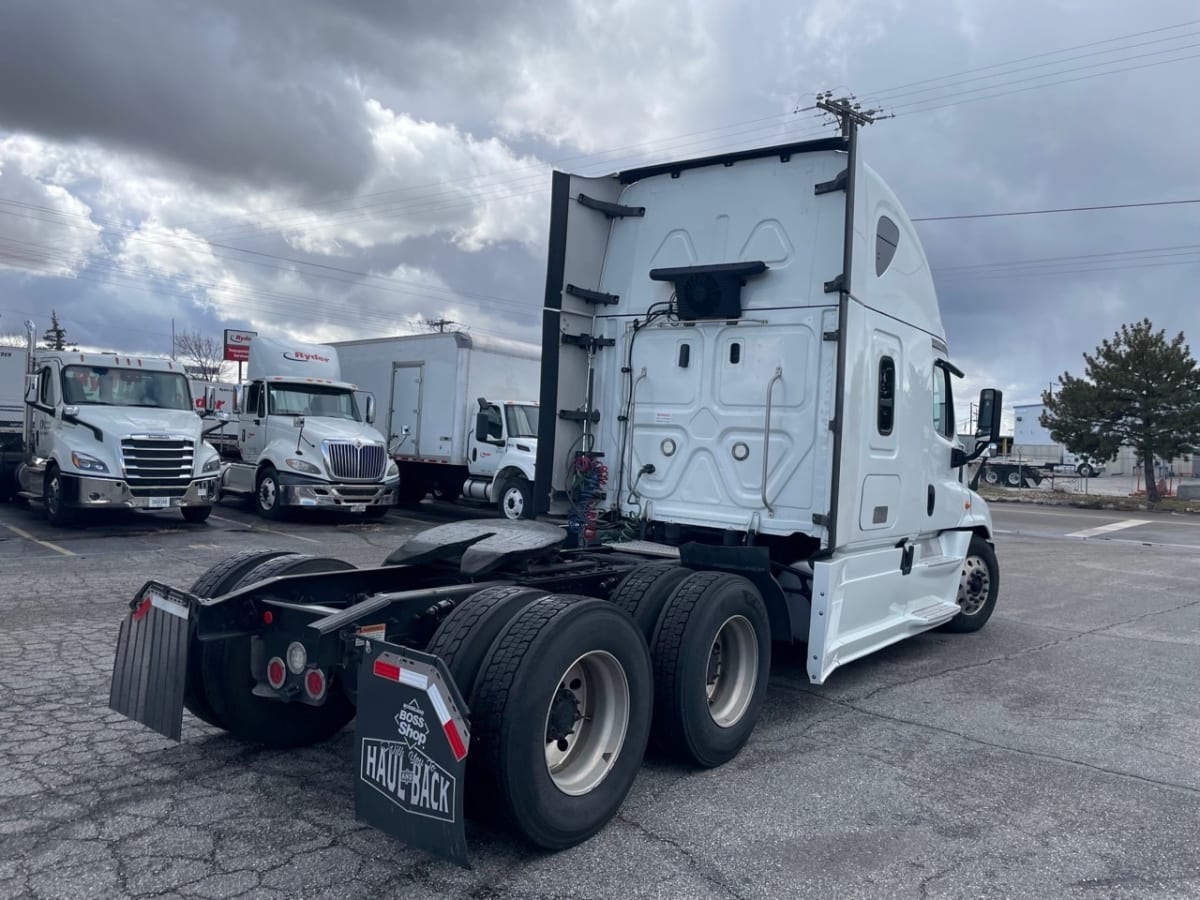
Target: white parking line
267,530
1110,527
20,532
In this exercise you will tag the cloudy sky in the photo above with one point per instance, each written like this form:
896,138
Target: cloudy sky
349,169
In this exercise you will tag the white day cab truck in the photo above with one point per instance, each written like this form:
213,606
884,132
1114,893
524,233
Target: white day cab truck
303,438
107,431
460,420
744,364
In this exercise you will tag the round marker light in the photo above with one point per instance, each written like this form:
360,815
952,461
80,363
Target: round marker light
297,657
314,684
276,673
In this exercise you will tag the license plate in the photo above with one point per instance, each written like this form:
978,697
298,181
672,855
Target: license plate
358,507
158,502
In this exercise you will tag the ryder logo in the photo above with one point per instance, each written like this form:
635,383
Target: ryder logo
404,773
304,356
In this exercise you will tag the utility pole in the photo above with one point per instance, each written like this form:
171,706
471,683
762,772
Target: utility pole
848,111
439,324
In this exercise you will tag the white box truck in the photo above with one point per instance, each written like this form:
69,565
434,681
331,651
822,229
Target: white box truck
303,439
104,431
744,364
13,363
223,395
461,414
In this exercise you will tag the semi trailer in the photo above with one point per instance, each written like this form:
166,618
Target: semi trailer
747,397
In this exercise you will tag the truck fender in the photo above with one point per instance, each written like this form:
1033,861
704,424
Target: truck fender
513,470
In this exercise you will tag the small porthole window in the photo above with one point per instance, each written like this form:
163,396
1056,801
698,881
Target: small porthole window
887,237
885,416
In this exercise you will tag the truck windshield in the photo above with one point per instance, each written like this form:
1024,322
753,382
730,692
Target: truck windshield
522,420
311,400
113,386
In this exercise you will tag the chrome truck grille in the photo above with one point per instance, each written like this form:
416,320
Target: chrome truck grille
347,462
157,467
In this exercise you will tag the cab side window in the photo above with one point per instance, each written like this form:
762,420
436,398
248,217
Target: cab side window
253,398
943,403
46,395
495,430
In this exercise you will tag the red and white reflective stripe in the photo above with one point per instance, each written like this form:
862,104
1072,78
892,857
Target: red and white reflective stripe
448,726
393,672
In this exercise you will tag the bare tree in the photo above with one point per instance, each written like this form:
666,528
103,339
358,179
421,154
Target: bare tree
202,351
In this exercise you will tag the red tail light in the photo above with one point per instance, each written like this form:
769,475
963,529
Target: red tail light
276,673
314,684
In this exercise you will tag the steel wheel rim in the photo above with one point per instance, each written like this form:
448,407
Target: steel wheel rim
991,477
732,671
1014,479
974,586
266,493
596,687
53,495
514,503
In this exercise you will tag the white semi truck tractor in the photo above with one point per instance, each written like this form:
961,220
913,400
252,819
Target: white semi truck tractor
111,431
748,400
303,438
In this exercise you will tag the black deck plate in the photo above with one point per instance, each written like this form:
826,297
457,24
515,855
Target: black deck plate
481,545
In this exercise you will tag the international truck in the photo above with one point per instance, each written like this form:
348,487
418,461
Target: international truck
303,438
460,417
105,431
747,392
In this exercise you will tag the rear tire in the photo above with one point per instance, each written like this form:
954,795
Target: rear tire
465,636
564,662
978,588
195,514
228,679
1013,478
712,660
1086,471
991,476
218,580
644,592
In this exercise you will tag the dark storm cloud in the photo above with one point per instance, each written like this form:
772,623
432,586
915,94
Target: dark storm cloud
186,84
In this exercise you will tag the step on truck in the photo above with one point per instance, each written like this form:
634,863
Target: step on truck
106,431
460,418
747,395
303,440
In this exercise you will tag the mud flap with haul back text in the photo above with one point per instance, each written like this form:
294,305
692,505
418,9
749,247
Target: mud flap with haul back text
411,740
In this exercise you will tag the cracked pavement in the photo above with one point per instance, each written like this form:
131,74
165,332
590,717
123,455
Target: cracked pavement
1055,753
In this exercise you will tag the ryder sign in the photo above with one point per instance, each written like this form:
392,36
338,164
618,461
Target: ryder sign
237,344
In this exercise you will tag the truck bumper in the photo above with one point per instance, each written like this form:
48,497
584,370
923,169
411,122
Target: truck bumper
105,493
324,494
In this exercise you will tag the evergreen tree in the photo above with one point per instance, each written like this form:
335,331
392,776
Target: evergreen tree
1138,390
55,337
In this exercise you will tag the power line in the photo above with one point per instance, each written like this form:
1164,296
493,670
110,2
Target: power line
1144,253
1044,212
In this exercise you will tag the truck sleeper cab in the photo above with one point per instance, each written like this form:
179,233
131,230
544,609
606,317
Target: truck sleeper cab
750,428
108,431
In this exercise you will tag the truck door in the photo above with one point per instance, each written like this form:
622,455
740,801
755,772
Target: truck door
253,431
404,416
486,454
43,419
897,566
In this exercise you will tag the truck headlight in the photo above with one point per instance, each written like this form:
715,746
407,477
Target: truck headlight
304,466
87,463
393,470
212,465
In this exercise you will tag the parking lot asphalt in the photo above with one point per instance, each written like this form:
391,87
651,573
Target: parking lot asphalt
1056,753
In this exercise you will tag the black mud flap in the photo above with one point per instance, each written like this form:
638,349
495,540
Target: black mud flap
150,666
411,740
